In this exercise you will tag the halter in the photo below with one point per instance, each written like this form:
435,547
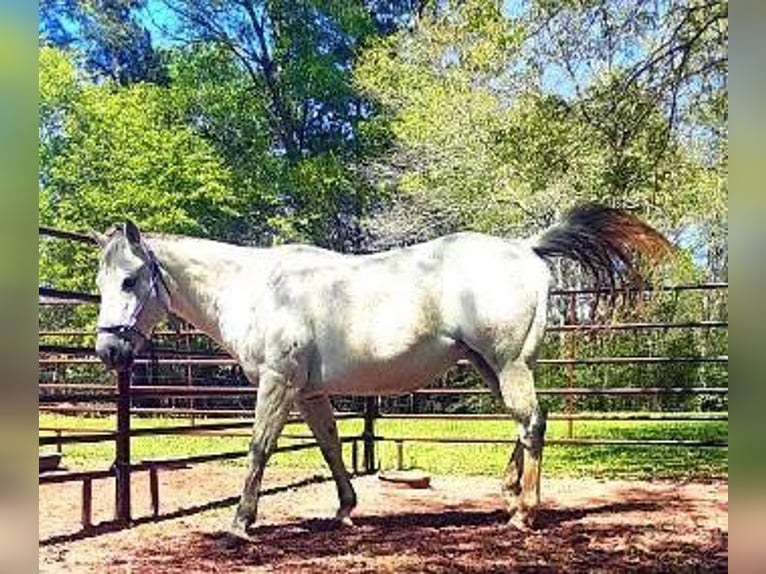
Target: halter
122,330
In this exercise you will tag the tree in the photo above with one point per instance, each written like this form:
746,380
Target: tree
108,153
639,68
479,138
107,33
297,57
290,63
440,114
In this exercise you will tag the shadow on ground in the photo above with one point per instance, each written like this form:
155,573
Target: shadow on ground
452,539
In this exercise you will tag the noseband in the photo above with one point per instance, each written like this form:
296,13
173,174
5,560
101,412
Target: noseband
124,330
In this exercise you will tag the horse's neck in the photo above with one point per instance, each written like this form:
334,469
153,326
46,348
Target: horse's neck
198,273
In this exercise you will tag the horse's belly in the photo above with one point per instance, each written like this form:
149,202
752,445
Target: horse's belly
367,374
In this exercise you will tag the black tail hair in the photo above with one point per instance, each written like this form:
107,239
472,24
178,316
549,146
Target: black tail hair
610,243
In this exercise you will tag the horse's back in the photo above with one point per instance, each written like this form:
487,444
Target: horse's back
398,315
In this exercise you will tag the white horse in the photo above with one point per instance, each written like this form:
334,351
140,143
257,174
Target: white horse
305,323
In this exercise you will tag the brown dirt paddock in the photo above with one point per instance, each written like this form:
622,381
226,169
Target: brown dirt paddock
457,525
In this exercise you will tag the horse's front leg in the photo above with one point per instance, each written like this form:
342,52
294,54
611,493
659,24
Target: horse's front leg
274,399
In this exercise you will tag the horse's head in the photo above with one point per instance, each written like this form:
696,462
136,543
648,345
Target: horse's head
133,296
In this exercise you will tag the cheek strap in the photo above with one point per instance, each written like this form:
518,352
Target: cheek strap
125,330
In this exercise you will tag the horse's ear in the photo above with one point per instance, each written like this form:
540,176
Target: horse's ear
132,233
100,239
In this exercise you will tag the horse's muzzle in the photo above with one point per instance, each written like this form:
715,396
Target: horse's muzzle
116,352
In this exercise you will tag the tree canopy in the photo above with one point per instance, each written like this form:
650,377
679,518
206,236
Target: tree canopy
359,125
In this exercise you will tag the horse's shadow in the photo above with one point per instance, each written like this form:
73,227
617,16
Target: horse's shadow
449,539
382,534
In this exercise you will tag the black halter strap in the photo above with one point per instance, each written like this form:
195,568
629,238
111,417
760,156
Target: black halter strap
124,330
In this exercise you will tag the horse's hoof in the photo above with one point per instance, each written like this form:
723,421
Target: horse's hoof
520,522
235,537
344,522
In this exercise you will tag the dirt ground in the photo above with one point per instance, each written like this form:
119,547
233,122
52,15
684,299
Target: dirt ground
457,525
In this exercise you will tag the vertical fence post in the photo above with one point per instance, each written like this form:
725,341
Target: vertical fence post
368,436
86,511
191,403
399,455
569,402
122,448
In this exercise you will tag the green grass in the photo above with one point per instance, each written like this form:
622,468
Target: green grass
460,459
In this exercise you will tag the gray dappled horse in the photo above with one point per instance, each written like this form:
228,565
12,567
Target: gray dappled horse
305,323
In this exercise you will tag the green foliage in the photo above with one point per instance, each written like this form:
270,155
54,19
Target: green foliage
109,153
478,139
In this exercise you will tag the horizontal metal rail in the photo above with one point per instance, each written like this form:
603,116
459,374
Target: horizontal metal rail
172,391
140,361
70,235
59,477
576,327
92,333
158,352
155,390
179,391
93,435
712,286
212,457
68,296
617,391
93,387
551,328
561,442
171,411
633,360
90,437
228,362
75,297
613,417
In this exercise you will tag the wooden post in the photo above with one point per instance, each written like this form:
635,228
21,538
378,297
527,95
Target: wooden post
355,456
368,436
59,446
399,455
154,491
87,503
122,448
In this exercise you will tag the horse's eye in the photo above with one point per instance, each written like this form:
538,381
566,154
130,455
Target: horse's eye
128,283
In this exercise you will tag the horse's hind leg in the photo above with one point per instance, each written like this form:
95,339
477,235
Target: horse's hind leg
275,397
317,412
521,483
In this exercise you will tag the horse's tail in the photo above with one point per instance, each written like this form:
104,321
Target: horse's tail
609,243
